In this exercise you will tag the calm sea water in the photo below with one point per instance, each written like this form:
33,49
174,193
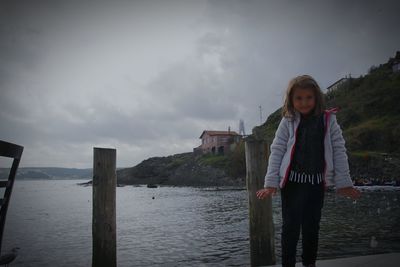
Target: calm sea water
51,222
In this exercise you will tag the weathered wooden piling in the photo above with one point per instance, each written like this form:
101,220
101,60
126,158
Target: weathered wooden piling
104,208
262,243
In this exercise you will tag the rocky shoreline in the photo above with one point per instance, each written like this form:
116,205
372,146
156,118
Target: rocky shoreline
184,169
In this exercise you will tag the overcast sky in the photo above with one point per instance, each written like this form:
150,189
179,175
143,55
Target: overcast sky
147,77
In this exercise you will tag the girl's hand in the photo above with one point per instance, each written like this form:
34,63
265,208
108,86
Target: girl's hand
266,192
349,192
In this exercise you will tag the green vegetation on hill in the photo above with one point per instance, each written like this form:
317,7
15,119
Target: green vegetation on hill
234,164
267,130
369,117
217,161
370,110
188,169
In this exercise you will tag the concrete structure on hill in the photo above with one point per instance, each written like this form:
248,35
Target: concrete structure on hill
341,82
396,66
217,142
395,62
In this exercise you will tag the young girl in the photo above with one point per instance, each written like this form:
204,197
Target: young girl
307,154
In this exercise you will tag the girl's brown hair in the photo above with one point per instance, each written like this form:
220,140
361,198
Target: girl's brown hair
303,82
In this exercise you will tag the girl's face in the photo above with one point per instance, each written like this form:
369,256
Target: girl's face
303,100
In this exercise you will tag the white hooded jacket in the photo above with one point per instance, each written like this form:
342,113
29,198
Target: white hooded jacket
282,151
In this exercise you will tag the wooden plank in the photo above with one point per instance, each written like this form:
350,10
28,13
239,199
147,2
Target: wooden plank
8,189
104,208
262,242
10,150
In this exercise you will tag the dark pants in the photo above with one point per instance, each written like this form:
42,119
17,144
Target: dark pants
301,209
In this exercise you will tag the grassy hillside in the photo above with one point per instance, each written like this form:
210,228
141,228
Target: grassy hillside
369,117
370,111
188,169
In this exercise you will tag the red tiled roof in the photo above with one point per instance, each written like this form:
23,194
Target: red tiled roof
213,133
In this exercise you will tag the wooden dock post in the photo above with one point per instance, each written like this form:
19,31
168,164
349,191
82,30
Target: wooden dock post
262,242
104,208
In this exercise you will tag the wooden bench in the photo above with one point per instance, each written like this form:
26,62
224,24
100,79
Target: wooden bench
14,151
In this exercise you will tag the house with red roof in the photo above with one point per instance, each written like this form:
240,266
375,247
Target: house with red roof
217,142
